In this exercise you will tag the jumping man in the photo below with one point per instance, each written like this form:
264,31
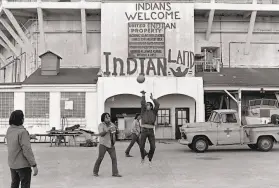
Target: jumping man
148,114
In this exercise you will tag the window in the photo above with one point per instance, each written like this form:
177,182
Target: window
72,104
229,118
36,104
7,106
163,117
6,103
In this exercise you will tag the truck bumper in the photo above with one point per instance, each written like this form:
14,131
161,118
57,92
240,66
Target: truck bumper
183,142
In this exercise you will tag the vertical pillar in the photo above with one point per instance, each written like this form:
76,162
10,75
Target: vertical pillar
100,99
54,110
200,109
239,104
19,100
91,111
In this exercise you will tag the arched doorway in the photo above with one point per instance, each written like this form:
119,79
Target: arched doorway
123,108
176,109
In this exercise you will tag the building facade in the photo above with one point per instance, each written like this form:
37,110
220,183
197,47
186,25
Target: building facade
218,52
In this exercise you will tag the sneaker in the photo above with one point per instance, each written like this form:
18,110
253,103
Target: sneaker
150,164
95,174
128,155
142,161
117,175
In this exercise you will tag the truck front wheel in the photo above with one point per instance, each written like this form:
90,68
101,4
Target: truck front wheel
190,146
265,143
253,146
200,145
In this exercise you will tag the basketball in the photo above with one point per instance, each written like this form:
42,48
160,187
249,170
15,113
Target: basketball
140,78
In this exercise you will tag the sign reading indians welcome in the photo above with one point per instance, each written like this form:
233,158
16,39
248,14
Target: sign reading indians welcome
155,39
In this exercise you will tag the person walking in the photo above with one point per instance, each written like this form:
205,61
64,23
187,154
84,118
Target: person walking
135,130
148,114
20,154
107,133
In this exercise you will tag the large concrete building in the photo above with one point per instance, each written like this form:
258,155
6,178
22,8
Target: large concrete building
66,62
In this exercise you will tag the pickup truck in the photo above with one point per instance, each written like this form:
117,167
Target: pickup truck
224,128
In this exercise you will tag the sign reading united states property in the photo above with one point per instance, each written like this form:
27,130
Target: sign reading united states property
146,40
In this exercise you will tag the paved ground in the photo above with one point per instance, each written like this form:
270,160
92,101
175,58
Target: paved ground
174,166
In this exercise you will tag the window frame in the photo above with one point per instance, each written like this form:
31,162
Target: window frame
29,114
69,95
234,116
162,115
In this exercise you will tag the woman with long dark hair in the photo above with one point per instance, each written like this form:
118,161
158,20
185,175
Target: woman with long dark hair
135,130
107,133
20,154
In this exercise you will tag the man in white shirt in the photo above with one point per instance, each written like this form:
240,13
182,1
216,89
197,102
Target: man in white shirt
135,130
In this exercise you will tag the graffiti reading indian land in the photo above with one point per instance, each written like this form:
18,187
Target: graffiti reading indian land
146,40
154,12
177,67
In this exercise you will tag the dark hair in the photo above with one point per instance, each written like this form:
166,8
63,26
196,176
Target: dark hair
103,116
16,118
150,105
137,115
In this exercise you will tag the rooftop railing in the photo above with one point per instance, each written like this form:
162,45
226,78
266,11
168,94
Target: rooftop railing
189,1
213,65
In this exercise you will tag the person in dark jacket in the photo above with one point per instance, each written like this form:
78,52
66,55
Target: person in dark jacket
20,154
149,115
107,133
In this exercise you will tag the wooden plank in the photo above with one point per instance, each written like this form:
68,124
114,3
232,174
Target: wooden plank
209,24
18,29
3,60
250,32
10,45
4,45
84,30
41,29
12,32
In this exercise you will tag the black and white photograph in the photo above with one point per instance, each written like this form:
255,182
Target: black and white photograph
139,93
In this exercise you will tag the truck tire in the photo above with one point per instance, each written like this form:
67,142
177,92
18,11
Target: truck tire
200,144
190,146
265,143
253,146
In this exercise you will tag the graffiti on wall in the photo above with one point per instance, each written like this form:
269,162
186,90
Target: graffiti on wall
154,12
150,38
177,67
146,40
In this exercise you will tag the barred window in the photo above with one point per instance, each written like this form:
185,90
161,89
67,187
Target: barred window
6,104
36,104
163,117
72,104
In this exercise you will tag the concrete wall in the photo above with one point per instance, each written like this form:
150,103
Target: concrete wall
264,45
171,93
168,101
63,36
54,112
122,101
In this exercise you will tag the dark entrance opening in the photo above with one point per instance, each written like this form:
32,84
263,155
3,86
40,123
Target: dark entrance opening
122,112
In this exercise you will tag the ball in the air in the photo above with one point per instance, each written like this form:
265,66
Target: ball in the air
140,78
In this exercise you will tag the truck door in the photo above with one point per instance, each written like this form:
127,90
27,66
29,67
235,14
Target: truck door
228,130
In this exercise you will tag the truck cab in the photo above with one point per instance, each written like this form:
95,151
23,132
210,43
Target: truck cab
228,126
